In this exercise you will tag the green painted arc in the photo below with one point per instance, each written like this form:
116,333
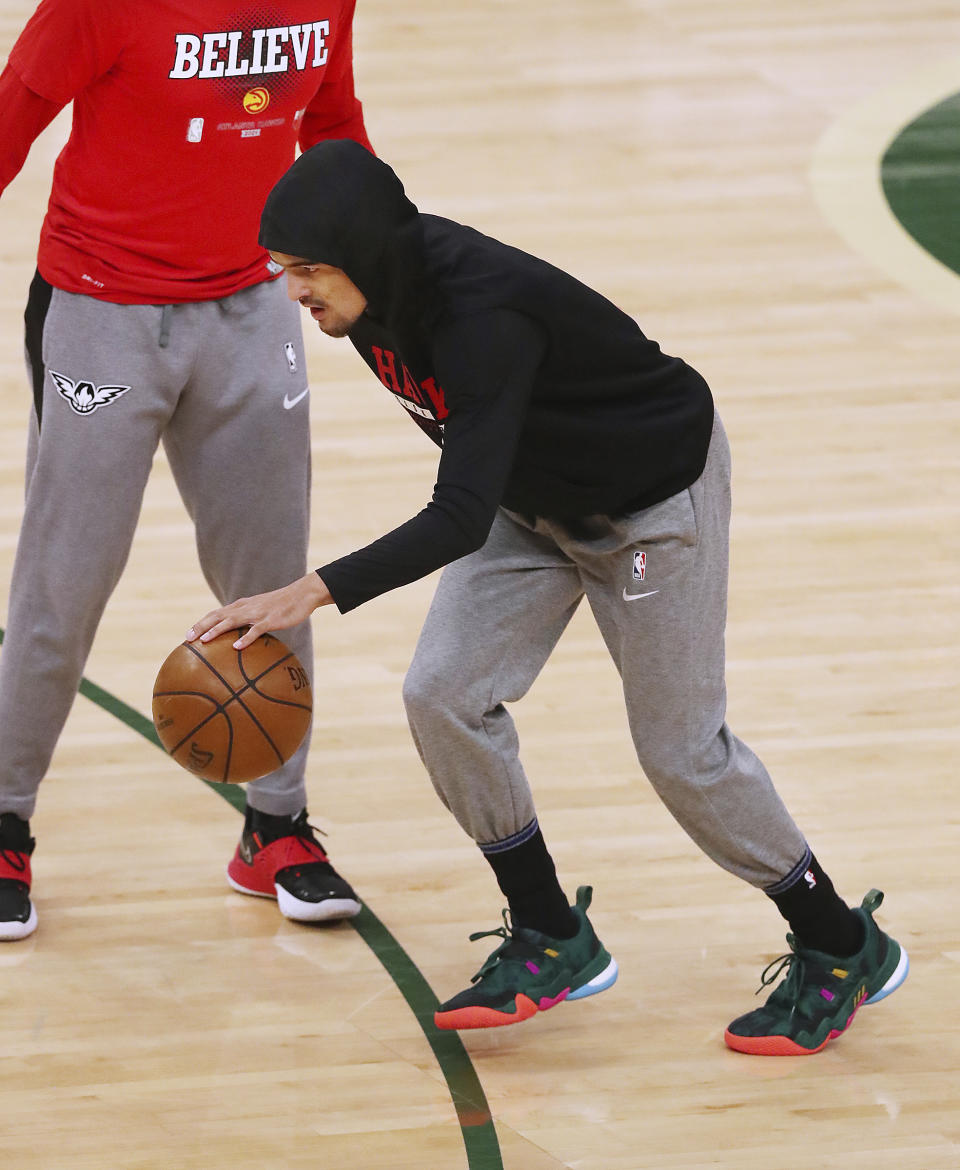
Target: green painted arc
469,1100
920,174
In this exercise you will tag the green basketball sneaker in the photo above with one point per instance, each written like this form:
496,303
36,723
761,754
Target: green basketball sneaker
821,993
530,972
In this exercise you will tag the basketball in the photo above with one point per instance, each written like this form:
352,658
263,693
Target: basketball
231,715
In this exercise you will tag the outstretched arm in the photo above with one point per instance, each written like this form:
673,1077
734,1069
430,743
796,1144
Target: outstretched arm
492,358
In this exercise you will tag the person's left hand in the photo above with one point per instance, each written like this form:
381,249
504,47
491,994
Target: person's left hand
264,613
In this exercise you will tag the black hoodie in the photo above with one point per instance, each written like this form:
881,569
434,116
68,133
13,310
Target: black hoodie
544,396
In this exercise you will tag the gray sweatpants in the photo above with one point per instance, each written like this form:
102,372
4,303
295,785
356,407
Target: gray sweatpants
215,381
656,581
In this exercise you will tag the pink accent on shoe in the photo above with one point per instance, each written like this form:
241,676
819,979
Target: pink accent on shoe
533,968
827,994
546,1002
835,1032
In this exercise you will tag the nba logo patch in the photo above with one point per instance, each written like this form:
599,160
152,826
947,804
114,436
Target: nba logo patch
639,566
291,355
195,130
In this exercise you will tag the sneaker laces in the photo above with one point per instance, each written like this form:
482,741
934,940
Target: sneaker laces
297,826
801,981
790,962
514,946
266,832
307,832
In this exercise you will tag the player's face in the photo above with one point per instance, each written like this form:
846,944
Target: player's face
334,301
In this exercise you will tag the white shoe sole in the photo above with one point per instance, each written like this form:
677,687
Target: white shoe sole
606,978
12,931
329,910
891,985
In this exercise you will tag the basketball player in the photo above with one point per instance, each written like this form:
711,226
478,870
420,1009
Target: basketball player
154,315
577,460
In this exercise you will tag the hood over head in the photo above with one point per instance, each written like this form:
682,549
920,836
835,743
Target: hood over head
339,204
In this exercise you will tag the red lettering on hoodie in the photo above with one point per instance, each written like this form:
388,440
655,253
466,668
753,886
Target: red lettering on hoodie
386,368
410,388
435,394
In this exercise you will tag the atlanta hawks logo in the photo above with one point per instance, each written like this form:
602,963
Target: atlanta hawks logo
84,397
255,101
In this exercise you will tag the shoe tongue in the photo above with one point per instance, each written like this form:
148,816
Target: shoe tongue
271,827
534,937
15,833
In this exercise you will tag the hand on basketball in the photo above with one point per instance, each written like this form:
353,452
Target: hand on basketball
264,613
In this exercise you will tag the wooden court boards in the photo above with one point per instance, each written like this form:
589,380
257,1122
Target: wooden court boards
715,170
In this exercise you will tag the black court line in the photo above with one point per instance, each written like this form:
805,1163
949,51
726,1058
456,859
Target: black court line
469,1100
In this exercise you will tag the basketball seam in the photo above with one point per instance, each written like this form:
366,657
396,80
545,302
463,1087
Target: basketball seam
209,665
196,727
222,710
263,673
258,725
280,702
250,683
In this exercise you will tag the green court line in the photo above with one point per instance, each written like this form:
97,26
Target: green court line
920,173
469,1100
231,793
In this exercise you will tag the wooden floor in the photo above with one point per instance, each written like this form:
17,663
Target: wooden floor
664,152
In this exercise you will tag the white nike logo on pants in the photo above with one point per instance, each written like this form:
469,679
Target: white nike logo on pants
633,596
289,403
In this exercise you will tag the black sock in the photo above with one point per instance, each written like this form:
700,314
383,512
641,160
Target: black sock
818,916
527,878
269,826
15,834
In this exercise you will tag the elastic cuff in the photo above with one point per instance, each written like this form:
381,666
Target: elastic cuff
510,842
792,877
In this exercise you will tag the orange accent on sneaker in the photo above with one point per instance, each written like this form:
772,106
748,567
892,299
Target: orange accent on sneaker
783,1045
771,1045
485,1017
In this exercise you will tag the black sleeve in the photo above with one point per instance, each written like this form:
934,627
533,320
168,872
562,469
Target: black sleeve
486,364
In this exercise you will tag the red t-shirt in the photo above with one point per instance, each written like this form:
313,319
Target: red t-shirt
185,113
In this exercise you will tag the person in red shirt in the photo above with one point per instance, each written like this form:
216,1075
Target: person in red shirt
155,315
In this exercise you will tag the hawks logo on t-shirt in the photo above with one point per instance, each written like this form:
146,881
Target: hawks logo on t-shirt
256,100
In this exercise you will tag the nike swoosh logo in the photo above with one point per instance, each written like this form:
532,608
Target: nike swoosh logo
289,403
633,596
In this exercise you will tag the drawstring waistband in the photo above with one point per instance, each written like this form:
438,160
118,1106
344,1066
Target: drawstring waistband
166,313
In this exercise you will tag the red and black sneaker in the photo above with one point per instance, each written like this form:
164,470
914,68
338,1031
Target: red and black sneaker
18,918
280,857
